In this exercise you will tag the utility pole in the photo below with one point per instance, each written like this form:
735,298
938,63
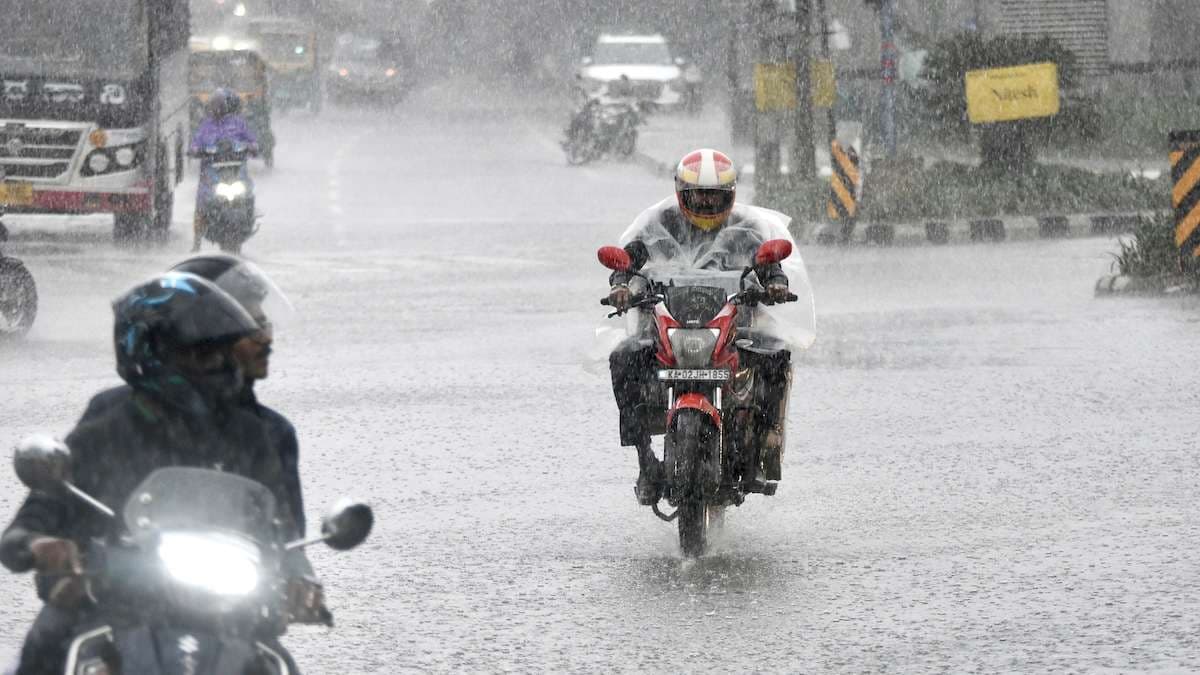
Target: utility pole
767,132
803,161
888,60
825,55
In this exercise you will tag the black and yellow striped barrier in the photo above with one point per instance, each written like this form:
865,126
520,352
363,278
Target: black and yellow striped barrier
1185,197
844,180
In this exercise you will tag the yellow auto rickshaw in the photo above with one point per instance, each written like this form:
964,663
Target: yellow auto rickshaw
243,72
289,47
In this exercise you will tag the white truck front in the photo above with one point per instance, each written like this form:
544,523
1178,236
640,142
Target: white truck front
86,119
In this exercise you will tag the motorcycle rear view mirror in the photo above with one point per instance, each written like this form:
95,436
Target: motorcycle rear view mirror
772,252
42,463
614,258
347,525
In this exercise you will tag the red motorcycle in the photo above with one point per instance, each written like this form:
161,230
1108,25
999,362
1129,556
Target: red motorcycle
711,344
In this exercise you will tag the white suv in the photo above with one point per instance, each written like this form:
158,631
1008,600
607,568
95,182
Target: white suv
646,60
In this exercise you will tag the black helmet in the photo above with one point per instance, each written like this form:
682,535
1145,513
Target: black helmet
244,281
169,317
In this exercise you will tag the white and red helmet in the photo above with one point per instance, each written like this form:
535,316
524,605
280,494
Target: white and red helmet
705,185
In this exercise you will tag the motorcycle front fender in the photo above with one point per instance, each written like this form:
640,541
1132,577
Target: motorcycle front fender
695,401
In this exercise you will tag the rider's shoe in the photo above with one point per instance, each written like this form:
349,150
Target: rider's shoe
649,484
772,454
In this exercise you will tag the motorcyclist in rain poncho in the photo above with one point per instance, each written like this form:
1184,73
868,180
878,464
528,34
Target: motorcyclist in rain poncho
702,228
222,122
174,338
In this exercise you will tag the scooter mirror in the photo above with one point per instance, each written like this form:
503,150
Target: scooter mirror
42,463
347,525
614,258
773,251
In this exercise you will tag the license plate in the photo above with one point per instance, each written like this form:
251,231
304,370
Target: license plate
16,194
682,374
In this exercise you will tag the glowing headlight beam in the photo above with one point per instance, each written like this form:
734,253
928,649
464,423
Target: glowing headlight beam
219,564
231,191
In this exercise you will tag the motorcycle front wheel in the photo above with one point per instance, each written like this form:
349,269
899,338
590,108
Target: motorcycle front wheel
627,145
694,444
577,152
18,298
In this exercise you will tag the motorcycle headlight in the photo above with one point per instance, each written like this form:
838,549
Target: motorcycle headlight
231,191
215,563
693,347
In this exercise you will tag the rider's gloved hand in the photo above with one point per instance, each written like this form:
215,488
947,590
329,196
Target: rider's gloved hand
777,291
306,602
619,297
53,555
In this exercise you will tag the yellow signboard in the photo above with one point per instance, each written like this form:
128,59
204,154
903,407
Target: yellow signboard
774,86
824,84
1016,93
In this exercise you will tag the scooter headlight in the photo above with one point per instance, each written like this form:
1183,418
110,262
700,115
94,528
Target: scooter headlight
218,564
693,347
231,191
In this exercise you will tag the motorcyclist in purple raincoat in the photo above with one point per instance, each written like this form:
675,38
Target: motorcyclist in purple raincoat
222,122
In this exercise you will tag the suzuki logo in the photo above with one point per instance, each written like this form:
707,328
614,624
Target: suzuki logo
14,146
189,645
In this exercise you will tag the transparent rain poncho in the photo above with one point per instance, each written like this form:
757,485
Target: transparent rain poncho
717,263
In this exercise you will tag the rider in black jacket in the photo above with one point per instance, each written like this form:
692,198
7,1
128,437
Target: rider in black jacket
174,338
259,296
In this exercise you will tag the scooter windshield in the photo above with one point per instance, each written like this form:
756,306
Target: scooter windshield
190,499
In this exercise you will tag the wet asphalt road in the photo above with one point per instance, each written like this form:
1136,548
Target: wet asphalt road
988,470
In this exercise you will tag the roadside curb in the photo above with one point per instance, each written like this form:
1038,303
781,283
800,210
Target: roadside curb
1114,285
939,232
976,230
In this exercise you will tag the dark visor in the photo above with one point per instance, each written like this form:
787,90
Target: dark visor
707,202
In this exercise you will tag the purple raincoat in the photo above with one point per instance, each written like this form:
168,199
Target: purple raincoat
210,131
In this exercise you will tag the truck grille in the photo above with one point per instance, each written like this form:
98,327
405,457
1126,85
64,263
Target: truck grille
38,152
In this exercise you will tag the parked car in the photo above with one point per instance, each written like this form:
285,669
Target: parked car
653,73
369,67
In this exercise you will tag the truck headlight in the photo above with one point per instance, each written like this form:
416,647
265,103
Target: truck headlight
219,564
125,156
98,162
231,191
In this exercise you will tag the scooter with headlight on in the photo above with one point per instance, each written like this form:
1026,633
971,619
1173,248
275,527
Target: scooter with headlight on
227,205
192,578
